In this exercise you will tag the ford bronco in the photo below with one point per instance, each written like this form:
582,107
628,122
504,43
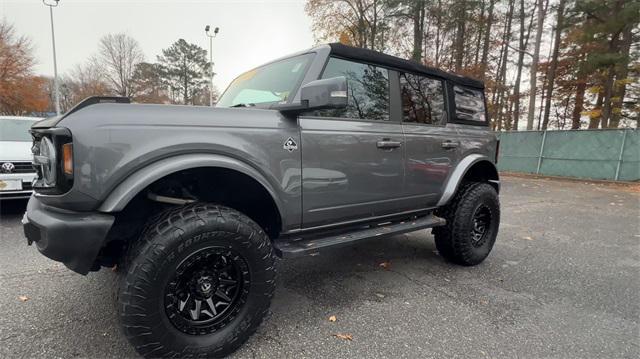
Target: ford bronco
323,148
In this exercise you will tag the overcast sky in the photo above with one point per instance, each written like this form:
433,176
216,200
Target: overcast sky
251,32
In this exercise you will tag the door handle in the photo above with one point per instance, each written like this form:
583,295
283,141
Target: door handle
388,144
448,144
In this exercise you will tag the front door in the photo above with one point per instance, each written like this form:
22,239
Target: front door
352,158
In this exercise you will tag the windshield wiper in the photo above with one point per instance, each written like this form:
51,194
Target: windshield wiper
244,105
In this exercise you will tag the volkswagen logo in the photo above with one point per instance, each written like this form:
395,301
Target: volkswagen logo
8,167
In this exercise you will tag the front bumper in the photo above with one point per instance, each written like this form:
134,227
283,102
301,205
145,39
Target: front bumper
73,238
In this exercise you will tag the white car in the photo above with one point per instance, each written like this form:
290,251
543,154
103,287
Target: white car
16,172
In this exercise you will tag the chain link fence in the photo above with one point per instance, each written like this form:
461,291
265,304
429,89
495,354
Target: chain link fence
610,154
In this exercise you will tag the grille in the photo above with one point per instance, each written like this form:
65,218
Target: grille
23,167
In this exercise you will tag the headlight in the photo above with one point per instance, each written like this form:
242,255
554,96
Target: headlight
47,161
53,160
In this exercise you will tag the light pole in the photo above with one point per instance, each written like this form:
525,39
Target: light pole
210,36
56,90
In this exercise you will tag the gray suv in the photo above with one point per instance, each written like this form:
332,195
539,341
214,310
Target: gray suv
319,149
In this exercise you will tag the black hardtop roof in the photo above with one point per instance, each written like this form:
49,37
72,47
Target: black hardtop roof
379,58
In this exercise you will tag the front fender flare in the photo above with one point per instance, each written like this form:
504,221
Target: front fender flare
458,174
139,180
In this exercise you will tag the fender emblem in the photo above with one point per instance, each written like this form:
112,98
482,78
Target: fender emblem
290,145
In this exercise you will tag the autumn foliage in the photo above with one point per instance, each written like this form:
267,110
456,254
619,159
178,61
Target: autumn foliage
21,92
545,63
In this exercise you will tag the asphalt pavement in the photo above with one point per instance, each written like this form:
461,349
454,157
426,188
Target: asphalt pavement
562,281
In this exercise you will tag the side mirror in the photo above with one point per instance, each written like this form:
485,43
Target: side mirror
327,93
319,94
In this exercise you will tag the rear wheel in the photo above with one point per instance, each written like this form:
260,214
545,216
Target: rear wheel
197,283
473,218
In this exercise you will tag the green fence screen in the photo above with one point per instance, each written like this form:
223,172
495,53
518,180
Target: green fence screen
597,154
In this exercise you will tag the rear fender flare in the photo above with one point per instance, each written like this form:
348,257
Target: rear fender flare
459,173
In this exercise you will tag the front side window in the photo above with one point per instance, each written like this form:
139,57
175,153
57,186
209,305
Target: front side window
422,99
368,90
469,104
272,83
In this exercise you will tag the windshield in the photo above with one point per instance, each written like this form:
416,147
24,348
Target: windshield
274,82
15,130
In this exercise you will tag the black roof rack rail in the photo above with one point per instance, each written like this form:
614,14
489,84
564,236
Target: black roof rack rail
97,99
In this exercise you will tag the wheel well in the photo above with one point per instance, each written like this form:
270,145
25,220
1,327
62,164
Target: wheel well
222,186
483,171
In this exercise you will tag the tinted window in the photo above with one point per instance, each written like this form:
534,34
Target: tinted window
422,99
368,90
469,104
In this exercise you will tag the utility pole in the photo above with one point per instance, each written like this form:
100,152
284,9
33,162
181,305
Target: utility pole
210,36
56,89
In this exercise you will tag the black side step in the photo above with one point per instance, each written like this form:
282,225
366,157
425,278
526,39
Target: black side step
302,246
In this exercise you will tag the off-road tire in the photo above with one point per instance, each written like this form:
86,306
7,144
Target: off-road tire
166,241
454,241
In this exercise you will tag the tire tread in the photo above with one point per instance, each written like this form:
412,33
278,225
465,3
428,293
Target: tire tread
450,239
150,249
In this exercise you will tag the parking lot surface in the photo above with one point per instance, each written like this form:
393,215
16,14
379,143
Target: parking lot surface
562,281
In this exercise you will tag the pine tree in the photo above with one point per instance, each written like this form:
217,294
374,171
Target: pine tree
186,69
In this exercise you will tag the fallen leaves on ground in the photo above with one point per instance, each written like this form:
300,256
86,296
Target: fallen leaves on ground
348,337
332,318
23,298
386,265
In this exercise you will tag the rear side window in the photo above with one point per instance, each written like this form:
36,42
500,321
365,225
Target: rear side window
469,104
368,90
422,99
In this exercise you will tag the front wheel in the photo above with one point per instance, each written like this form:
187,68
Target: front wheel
473,218
197,284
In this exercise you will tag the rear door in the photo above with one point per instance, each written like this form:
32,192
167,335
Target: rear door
431,146
352,159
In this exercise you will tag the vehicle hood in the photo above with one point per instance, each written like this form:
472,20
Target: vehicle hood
112,140
109,115
15,151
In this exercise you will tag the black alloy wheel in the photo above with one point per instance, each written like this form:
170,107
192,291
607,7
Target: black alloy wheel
197,283
481,223
473,219
206,291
